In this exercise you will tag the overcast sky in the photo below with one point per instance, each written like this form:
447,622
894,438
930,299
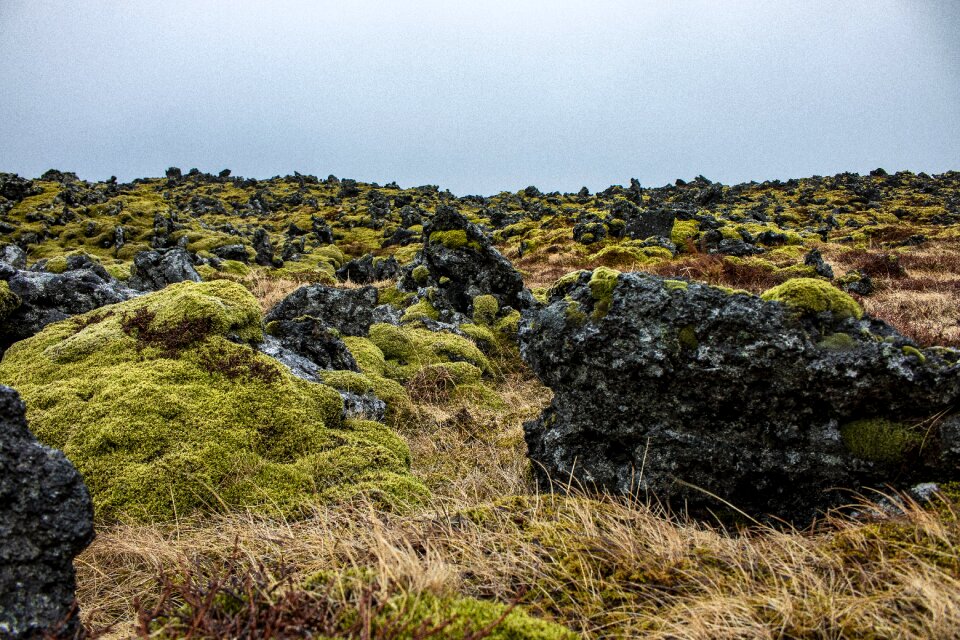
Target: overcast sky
481,96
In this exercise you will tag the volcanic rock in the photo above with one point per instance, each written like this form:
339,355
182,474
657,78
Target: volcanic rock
46,520
705,398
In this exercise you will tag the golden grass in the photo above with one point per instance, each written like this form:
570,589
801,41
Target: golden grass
923,303
608,568
270,291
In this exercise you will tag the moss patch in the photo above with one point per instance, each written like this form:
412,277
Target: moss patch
880,440
9,301
602,283
809,295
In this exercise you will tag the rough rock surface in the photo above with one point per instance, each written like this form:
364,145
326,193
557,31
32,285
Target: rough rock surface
349,311
648,223
310,338
676,389
369,269
46,519
153,270
45,298
462,263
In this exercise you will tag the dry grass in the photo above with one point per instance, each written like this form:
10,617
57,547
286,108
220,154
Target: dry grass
608,568
918,292
270,291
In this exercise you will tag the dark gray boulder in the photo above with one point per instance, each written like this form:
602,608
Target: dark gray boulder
14,256
462,263
654,222
683,390
349,311
45,298
815,259
154,270
264,248
369,269
46,519
312,339
232,252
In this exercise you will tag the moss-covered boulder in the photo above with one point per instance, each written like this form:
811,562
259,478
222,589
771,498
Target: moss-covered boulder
165,410
460,263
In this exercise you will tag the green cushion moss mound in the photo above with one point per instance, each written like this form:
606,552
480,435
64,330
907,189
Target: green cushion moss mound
166,411
812,296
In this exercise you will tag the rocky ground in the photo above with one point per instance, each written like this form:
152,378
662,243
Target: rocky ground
316,406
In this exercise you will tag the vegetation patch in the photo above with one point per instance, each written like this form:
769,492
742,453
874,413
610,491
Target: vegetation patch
164,415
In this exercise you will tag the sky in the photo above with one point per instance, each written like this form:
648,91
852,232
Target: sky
484,96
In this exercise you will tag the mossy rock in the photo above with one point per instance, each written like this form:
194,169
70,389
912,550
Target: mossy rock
454,239
422,310
812,296
9,301
165,412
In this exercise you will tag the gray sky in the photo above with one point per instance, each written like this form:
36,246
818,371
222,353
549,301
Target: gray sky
481,96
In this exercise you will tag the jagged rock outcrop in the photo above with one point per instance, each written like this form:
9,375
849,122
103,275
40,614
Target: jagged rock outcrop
774,406
153,270
34,299
349,311
459,260
46,519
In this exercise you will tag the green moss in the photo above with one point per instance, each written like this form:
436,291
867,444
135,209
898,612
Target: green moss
688,337
485,309
409,349
479,333
838,342
9,301
394,297
629,256
574,313
602,283
422,310
879,439
914,352
809,295
164,415
56,264
120,271
684,230
453,239
564,282
467,616
399,406
676,285
234,268
421,274
369,357
206,271
508,324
